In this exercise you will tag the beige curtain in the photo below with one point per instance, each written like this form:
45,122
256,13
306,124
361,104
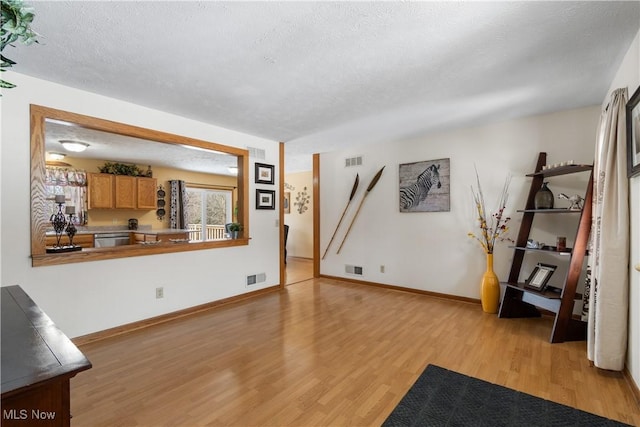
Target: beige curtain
608,286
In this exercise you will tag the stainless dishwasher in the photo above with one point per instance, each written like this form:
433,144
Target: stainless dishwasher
106,240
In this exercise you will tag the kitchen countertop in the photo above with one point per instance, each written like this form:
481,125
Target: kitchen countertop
141,230
161,231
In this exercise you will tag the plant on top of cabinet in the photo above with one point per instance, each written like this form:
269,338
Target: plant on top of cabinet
122,169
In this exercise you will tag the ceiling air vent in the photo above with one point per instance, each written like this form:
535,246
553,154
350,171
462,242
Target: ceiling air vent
353,161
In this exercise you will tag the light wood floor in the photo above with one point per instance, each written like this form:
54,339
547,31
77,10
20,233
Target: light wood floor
298,270
326,353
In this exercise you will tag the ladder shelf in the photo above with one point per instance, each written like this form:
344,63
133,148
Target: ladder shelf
519,300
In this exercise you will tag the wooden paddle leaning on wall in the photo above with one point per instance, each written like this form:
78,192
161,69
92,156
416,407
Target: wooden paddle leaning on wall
373,183
353,193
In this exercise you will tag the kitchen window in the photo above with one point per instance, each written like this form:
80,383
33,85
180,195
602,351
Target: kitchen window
73,184
208,210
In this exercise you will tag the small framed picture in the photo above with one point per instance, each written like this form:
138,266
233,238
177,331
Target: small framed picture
265,199
540,276
287,202
264,173
633,134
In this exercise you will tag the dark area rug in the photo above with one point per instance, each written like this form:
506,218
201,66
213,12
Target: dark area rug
441,397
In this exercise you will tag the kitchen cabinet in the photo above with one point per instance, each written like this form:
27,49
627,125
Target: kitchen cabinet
100,190
125,192
146,193
154,236
143,237
108,191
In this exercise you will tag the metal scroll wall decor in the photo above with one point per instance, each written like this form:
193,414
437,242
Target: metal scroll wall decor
302,200
160,212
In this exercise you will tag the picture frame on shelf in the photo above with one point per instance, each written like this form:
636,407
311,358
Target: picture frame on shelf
633,134
540,276
264,173
265,199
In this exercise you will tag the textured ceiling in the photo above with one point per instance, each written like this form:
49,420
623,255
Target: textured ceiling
325,75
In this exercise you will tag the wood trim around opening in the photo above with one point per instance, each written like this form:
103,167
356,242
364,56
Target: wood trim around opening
39,114
283,276
316,215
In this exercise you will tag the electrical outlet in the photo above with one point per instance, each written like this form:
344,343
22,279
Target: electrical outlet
114,221
160,292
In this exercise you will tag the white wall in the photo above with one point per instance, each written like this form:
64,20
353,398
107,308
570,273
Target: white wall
628,76
300,240
88,297
431,251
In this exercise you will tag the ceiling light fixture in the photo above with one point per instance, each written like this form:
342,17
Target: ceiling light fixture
56,156
75,146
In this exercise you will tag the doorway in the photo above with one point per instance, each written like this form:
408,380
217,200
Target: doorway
298,218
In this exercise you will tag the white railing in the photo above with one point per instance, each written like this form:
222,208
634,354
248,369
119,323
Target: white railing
212,232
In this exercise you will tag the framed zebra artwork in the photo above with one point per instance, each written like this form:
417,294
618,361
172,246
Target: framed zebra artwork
425,186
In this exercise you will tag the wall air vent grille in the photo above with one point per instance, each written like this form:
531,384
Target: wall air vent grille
353,269
256,153
353,161
256,278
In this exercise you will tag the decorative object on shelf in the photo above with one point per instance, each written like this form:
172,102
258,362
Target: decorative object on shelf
531,244
265,199
71,229
58,220
264,174
558,165
561,244
160,212
633,134
372,184
424,186
302,200
543,198
490,288
540,276
493,228
575,201
16,26
354,188
149,173
60,225
128,169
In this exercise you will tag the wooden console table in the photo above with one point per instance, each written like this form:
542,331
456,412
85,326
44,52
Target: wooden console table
38,361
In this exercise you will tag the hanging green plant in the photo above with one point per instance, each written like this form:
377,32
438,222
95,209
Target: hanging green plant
16,26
